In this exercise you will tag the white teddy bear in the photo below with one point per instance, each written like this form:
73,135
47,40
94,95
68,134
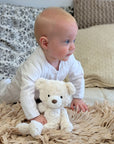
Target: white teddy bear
54,96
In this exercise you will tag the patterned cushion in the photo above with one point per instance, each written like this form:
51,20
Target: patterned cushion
93,12
17,39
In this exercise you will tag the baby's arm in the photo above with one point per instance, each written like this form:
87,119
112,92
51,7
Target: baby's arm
30,71
29,105
41,117
27,100
76,76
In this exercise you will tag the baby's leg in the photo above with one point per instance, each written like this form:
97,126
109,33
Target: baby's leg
8,92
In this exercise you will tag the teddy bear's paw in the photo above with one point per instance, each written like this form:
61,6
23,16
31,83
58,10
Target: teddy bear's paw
67,127
35,128
23,128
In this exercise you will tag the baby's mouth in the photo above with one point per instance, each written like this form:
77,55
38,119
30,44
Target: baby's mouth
68,54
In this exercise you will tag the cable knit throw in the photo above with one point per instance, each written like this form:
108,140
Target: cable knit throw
93,127
93,12
95,51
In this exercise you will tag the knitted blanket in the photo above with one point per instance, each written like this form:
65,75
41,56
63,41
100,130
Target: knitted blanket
93,127
95,51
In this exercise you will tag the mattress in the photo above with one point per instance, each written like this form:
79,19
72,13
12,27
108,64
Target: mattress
99,95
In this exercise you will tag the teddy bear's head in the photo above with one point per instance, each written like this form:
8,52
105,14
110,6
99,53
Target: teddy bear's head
54,93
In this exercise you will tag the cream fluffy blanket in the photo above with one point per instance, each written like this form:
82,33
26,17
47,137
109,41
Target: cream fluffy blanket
93,127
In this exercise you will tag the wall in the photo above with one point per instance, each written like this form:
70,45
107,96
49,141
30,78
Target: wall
39,3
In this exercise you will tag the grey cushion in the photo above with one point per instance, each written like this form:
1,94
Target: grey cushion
93,12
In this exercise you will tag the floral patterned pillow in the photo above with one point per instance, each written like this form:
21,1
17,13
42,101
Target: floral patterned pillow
17,39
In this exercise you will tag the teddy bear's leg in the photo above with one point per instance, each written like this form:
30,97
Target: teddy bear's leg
35,128
66,125
23,128
51,125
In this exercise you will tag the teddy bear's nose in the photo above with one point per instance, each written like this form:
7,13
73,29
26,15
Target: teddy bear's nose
54,101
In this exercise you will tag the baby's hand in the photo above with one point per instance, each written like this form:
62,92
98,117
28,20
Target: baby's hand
79,105
40,119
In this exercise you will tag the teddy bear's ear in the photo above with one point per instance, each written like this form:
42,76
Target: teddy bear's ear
39,83
71,88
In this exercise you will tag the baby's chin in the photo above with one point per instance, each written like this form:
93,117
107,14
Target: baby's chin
66,58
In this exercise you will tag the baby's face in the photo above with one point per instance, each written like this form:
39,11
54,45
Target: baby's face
62,44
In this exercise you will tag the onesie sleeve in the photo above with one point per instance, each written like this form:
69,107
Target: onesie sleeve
76,76
29,74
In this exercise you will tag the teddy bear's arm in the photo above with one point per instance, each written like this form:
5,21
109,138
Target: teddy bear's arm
66,125
41,108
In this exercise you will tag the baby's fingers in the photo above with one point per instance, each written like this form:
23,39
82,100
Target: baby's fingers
78,108
72,106
84,107
43,121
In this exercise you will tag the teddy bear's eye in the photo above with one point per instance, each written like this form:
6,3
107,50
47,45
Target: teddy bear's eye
48,95
61,97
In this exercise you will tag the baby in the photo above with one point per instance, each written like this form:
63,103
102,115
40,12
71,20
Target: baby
55,31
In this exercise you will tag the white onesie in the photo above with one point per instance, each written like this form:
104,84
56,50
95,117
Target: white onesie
22,86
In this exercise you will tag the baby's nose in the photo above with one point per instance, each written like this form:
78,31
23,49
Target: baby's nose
54,101
72,47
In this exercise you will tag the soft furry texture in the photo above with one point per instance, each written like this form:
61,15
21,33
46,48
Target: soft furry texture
54,96
93,127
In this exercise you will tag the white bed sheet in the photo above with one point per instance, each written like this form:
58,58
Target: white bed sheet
99,95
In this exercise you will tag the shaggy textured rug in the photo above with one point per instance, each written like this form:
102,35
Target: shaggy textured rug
93,127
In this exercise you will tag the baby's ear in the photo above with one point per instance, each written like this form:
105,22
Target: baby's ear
39,83
43,42
70,87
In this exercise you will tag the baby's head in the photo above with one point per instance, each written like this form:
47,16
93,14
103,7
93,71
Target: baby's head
55,31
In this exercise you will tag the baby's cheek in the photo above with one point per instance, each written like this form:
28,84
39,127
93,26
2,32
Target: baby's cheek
60,52
63,52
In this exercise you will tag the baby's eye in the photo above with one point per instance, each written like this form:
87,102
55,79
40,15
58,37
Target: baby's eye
74,41
67,41
48,95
